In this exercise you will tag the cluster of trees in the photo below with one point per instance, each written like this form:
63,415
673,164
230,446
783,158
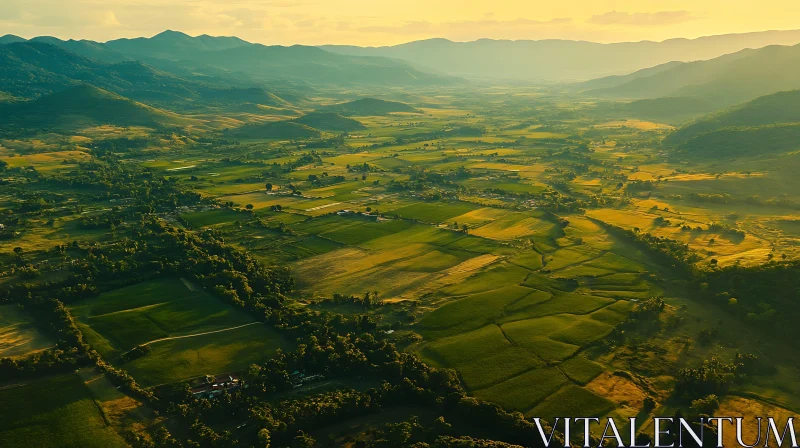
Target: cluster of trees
109,179
714,377
323,180
118,145
668,251
103,221
369,300
637,186
765,295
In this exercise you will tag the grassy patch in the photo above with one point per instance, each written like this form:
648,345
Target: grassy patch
580,369
435,212
18,335
211,217
471,312
153,310
524,391
572,400
483,357
500,274
227,351
53,412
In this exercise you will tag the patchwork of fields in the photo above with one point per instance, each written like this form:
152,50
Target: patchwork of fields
484,230
514,304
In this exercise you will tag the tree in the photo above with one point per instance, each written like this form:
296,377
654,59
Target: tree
303,440
264,437
706,405
249,206
269,187
465,228
18,251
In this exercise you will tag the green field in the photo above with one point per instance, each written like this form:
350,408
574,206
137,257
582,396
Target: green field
226,351
18,335
55,412
523,392
572,400
188,333
580,369
153,310
434,213
211,217
483,357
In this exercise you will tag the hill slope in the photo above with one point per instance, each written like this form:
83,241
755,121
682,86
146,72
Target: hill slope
369,106
276,130
671,110
82,106
778,108
617,80
728,143
726,80
330,121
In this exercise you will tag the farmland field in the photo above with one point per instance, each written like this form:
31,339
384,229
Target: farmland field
57,412
188,332
18,336
227,351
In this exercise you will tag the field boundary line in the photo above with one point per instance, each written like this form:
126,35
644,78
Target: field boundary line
199,334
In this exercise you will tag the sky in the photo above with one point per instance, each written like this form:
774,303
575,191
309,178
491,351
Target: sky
389,22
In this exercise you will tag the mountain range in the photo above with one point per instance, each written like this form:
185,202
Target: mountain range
32,69
234,58
562,60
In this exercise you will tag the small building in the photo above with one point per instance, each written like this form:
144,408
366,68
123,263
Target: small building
215,386
298,378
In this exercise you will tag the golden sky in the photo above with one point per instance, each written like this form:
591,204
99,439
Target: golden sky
386,22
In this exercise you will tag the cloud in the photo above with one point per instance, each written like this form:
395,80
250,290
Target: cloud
642,18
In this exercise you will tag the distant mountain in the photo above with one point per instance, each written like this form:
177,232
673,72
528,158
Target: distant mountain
10,39
83,106
617,80
726,80
287,130
85,48
232,58
562,60
368,106
329,121
776,109
173,45
231,55
34,68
